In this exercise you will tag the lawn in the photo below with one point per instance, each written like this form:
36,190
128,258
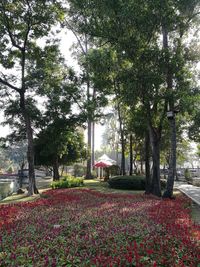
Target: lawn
84,227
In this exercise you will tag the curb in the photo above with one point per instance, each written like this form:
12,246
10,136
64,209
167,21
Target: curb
193,199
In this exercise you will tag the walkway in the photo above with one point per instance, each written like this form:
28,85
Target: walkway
189,190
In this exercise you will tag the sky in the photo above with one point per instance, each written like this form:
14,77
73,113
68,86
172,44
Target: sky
67,40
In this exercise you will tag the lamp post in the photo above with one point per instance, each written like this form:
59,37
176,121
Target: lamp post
172,164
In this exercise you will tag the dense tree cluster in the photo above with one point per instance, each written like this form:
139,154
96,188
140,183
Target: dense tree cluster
136,55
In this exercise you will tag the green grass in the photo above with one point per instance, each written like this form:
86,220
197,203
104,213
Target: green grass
103,187
18,198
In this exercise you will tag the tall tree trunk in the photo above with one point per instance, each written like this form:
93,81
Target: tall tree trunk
93,144
141,165
172,166
147,164
93,131
172,120
131,155
117,152
122,171
56,175
89,136
89,145
21,176
155,143
30,153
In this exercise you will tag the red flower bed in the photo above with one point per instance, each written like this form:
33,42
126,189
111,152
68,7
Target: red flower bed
87,228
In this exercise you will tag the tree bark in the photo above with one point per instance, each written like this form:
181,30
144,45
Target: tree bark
21,174
122,171
147,164
89,139
89,145
131,155
32,189
172,121
93,144
155,143
172,166
56,175
141,165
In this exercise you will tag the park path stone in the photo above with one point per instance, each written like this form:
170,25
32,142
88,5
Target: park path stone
193,192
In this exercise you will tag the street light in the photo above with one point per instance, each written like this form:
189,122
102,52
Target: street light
170,115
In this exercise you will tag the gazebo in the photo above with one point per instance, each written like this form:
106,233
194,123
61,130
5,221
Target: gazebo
103,162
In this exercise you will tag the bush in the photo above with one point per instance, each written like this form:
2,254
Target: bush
114,170
131,182
79,170
188,176
67,181
127,182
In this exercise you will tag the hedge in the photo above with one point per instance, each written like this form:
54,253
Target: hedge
127,182
130,182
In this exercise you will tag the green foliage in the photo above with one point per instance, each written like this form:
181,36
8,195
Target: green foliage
67,181
57,140
188,176
131,182
127,182
79,170
114,170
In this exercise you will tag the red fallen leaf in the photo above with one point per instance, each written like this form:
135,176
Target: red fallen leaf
102,227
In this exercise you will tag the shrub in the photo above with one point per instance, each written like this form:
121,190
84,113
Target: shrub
188,176
114,170
132,182
67,181
127,182
79,170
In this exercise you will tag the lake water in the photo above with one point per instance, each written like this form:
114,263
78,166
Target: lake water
7,188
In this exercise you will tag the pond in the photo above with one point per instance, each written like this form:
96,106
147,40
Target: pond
7,187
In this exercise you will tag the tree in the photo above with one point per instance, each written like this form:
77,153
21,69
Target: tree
59,144
155,69
58,140
22,24
94,99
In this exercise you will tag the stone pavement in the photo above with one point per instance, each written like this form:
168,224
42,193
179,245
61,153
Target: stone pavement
189,190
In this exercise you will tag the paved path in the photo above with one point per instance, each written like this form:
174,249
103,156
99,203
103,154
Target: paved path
189,190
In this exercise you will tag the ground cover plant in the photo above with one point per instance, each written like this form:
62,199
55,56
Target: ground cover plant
67,181
83,227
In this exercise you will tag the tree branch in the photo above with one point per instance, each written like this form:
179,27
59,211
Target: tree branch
77,38
10,33
10,85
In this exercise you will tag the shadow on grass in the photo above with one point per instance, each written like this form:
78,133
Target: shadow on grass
19,198
103,187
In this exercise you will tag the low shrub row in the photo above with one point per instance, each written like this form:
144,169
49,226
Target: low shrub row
131,182
67,181
127,182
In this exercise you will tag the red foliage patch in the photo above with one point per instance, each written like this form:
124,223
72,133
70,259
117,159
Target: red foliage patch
87,228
